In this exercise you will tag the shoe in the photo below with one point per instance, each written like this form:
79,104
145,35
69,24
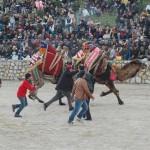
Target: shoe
18,116
71,123
88,119
61,103
71,108
13,108
45,106
79,119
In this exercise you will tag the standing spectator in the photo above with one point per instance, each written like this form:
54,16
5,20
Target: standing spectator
90,81
21,94
85,12
81,93
68,24
12,22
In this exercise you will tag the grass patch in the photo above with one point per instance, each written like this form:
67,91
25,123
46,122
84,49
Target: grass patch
105,19
110,18
145,2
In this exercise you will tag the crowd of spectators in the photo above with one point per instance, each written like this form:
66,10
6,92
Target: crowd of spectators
24,24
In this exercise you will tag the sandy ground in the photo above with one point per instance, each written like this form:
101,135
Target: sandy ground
113,127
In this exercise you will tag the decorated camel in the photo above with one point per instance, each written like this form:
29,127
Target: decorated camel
95,62
47,61
126,72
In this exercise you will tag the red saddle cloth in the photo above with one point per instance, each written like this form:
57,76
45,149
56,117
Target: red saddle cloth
112,75
92,58
45,66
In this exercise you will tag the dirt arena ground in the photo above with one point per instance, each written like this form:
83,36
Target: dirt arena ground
113,127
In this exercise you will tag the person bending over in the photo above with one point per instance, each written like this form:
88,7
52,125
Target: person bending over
21,94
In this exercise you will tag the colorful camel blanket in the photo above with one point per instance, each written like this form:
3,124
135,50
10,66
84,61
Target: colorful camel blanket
80,55
35,60
92,58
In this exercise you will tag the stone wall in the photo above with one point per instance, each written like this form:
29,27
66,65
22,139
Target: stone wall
16,69
13,69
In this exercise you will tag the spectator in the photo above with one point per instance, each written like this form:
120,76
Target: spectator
81,93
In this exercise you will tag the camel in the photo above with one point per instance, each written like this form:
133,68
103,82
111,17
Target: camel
128,71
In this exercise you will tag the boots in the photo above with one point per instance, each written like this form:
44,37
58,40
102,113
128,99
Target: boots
61,103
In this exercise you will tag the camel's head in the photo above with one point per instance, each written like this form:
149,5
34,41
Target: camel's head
139,63
143,65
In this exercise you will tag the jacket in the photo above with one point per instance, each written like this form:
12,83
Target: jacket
22,90
65,83
80,90
90,81
89,78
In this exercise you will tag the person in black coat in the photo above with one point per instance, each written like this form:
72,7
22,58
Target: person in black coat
64,87
91,82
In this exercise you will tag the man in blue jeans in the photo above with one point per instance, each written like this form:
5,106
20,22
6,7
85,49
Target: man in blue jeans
81,93
90,81
21,94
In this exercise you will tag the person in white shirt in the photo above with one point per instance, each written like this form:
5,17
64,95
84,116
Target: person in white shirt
14,56
85,12
68,24
12,22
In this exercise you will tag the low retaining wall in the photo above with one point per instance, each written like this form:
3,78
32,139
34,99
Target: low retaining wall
14,69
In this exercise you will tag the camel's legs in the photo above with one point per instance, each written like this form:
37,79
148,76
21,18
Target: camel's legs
113,89
106,93
33,94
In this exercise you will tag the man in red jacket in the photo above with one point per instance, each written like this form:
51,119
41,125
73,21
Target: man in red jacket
21,94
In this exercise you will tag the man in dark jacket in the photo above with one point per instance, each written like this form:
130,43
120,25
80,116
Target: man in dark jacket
91,82
64,87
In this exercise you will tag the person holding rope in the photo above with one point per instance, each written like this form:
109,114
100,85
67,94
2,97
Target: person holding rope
64,87
21,94
60,54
